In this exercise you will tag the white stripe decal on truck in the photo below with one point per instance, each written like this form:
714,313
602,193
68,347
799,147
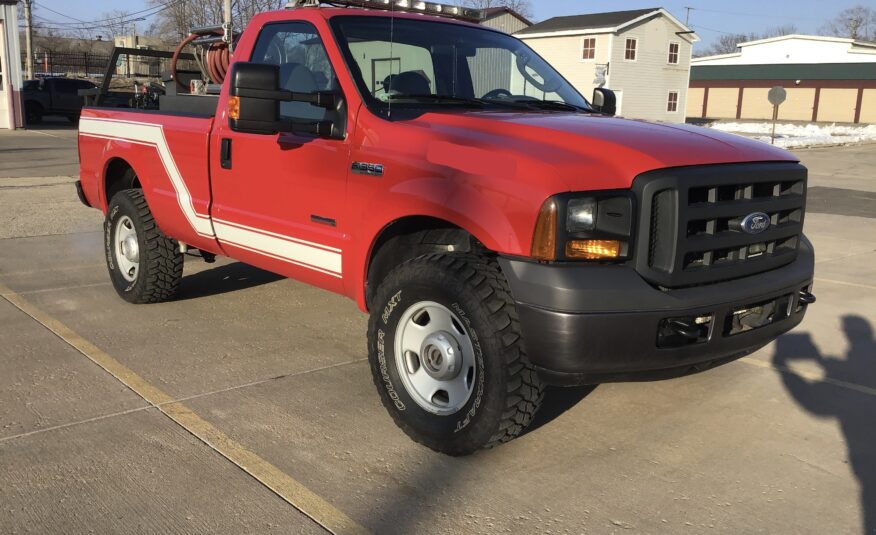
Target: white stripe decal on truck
302,253
153,134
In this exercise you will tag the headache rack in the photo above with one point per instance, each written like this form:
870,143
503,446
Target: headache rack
406,6
690,228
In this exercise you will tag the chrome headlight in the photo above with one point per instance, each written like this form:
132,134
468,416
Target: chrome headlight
585,226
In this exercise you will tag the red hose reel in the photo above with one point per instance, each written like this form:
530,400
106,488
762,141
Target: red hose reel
212,55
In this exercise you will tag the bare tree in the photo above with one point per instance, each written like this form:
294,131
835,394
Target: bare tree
116,23
180,17
858,22
524,7
729,43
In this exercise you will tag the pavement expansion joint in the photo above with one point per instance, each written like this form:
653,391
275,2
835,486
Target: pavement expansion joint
280,483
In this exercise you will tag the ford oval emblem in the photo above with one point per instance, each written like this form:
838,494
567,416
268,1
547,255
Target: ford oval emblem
756,223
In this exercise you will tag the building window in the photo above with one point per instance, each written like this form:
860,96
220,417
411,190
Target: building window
672,103
673,53
630,51
589,48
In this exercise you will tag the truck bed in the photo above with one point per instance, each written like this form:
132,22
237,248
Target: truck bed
167,153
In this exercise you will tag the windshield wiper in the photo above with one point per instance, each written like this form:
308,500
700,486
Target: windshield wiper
439,99
552,105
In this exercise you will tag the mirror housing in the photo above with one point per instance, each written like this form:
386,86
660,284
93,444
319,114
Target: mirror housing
605,101
255,97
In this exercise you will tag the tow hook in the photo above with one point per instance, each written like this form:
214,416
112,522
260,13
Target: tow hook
806,298
689,330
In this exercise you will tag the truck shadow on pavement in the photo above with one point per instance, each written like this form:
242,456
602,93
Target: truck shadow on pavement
855,411
558,400
224,279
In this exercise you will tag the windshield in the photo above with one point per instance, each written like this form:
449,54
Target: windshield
434,64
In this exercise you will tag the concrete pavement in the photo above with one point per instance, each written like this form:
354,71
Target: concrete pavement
780,442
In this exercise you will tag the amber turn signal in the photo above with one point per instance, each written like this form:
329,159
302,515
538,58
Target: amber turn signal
544,241
593,249
234,108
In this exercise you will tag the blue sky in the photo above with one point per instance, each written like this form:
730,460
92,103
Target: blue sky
709,18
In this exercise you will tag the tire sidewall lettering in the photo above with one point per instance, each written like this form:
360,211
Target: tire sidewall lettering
481,370
384,372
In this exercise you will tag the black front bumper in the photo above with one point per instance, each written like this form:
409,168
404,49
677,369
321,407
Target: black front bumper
590,324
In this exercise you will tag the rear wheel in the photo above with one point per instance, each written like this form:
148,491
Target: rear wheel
145,266
447,357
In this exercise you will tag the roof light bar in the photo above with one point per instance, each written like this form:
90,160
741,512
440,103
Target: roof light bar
408,6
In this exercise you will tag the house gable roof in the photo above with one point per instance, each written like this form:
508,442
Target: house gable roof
592,20
493,12
599,23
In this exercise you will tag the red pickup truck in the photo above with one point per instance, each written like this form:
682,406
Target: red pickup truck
503,232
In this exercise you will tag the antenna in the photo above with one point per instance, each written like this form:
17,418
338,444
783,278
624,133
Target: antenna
391,60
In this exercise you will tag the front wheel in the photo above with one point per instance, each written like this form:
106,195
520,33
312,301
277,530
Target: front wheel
145,266
447,356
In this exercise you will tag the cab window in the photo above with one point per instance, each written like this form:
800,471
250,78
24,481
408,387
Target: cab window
304,65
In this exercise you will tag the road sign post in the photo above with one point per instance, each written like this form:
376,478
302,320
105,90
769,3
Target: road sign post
776,96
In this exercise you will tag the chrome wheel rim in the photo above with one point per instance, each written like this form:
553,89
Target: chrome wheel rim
127,248
435,358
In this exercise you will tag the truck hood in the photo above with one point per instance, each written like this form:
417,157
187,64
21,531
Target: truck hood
587,151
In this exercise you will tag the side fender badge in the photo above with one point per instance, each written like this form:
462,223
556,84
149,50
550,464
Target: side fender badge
368,169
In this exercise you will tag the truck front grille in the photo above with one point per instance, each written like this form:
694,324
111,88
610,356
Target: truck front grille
691,221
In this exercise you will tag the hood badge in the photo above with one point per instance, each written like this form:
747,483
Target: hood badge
368,169
755,223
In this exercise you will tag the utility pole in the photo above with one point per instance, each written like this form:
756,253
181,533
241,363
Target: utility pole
227,25
28,38
687,17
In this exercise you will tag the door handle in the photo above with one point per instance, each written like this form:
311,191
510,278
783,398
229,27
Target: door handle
225,154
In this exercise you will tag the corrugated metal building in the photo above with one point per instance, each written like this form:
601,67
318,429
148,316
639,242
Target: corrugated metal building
827,79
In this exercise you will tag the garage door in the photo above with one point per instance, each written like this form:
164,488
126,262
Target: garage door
868,106
722,102
837,105
798,106
695,97
755,104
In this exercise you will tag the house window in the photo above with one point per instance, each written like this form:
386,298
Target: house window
630,51
672,103
589,48
673,53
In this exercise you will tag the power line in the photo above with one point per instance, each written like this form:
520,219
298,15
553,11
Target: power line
117,20
698,27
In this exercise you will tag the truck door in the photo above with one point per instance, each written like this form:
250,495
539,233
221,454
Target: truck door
278,199
64,94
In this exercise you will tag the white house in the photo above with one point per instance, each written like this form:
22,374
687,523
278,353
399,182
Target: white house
643,55
10,67
796,49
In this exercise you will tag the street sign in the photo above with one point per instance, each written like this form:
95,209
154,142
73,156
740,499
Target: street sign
777,95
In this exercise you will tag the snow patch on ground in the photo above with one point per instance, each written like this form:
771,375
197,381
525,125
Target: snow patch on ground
801,135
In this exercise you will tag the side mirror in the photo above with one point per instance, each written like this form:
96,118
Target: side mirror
254,105
604,101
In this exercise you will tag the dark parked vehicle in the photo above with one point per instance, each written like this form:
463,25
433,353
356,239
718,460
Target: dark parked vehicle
54,96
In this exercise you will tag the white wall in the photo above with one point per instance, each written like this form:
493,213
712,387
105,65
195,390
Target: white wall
795,50
565,54
10,55
646,82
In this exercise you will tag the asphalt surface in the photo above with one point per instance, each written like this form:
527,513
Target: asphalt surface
247,406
